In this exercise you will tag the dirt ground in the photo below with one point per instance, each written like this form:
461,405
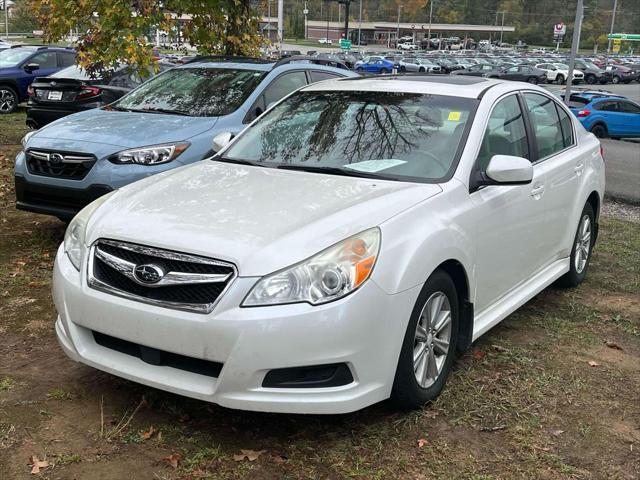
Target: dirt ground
551,393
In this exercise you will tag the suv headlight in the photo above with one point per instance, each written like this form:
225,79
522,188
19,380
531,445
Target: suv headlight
329,275
74,237
25,139
153,155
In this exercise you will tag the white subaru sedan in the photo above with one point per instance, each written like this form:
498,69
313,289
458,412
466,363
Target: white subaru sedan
340,251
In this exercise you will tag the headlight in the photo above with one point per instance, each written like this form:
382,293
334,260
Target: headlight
25,139
150,155
329,275
75,235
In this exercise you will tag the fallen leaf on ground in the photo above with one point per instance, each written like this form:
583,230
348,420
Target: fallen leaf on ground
279,458
493,429
149,433
557,433
478,354
36,464
499,348
422,442
593,364
173,460
613,345
250,455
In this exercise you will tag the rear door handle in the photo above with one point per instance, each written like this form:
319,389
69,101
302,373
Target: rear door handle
537,190
579,168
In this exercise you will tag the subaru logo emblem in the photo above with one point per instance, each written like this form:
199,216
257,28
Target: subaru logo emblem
148,273
56,159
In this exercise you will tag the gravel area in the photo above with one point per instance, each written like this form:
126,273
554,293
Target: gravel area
623,211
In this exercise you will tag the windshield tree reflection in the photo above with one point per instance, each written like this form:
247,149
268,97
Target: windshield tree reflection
202,92
383,133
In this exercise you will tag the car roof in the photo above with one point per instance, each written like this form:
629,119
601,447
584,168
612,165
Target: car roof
258,64
456,86
36,48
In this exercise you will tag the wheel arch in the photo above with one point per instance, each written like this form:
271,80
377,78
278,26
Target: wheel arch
458,274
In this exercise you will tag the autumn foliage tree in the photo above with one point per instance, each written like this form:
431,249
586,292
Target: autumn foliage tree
113,31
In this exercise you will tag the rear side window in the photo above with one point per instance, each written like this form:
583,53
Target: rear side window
66,59
567,127
628,107
505,134
546,124
317,75
606,106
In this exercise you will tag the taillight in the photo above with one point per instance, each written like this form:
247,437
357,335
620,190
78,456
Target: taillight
87,92
583,113
31,91
602,152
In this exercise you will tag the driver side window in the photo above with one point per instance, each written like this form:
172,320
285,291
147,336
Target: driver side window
505,133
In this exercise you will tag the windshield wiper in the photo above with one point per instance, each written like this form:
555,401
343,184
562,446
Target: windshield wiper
163,110
330,171
237,161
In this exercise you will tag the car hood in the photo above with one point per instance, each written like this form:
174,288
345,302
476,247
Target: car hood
261,219
124,129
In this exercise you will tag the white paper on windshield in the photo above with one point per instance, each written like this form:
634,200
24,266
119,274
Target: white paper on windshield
375,165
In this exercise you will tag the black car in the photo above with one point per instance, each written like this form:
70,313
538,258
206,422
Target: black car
72,90
521,73
592,73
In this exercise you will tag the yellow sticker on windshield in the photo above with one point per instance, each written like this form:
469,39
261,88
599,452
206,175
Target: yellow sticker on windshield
454,116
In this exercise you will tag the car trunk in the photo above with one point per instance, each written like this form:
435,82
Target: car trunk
56,90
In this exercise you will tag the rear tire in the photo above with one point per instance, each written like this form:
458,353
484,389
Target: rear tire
430,339
581,251
560,79
532,80
590,79
599,131
615,80
384,70
8,100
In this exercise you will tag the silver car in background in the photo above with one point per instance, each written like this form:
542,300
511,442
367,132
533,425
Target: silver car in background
415,64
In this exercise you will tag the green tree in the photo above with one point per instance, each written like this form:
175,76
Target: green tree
113,30
22,17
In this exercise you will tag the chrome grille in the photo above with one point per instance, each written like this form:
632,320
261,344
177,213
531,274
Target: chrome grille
73,166
160,277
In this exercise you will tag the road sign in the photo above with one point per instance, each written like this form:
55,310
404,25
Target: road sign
616,45
625,36
345,44
559,29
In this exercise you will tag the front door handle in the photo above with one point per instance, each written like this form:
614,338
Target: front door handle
537,190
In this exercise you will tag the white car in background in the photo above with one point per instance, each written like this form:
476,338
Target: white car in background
413,64
340,250
325,41
559,72
408,46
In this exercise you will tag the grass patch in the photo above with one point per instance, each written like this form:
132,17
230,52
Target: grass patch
7,383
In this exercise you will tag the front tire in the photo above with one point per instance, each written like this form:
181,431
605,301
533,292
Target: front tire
8,100
384,70
560,79
429,344
532,80
582,248
615,80
590,79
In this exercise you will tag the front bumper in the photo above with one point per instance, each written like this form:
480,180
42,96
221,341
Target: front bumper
363,330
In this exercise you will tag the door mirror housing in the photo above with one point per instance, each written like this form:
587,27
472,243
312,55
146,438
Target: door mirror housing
508,170
30,67
221,140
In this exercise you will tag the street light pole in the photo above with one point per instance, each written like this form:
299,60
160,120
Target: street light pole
575,45
502,26
6,20
280,22
360,24
398,28
613,20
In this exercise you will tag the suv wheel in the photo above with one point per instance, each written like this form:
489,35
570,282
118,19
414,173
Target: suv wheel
615,79
429,345
599,131
581,251
8,100
590,79
560,79
532,80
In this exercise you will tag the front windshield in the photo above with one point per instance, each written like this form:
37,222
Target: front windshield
197,91
13,57
561,66
408,136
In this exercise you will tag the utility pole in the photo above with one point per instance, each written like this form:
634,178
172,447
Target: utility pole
306,27
280,22
398,28
613,20
575,45
502,26
327,34
430,18
360,23
6,20
269,19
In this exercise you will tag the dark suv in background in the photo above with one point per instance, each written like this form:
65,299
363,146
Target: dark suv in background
20,65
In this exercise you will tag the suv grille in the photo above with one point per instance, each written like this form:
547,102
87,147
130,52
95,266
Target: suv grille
73,166
160,277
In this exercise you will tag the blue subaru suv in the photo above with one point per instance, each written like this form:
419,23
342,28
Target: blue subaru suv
178,117
19,66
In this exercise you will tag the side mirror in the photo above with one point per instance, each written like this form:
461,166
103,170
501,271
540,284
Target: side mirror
509,170
221,140
31,67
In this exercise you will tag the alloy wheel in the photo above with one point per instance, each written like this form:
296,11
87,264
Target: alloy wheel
432,339
583,245
7,100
